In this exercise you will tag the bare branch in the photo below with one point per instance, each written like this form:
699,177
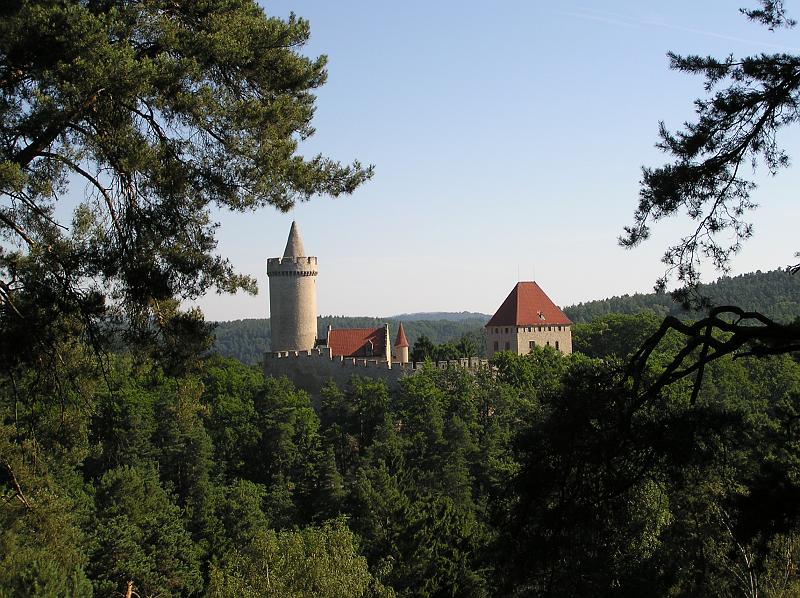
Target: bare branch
17,229
5,297
56,128
103,191
744,329
38,210
15,483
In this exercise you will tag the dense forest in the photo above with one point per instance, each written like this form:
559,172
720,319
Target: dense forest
247,340
661,458
776,294
551,476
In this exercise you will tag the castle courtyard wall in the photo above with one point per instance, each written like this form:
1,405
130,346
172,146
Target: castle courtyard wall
311,370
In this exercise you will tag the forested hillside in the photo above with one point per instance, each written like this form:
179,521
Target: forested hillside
551,477
441,315
134,462
247,340
776,294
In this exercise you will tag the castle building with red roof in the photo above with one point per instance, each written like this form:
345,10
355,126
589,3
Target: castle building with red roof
528,319
372,343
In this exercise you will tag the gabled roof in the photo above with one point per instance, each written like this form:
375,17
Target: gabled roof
351,342
401,340
294,244
528,305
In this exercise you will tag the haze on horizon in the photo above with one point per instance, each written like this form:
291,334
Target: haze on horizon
507,141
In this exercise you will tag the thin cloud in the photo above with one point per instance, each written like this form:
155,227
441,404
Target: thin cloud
601,19
590,14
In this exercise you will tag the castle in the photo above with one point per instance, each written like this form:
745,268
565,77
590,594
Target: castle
526,318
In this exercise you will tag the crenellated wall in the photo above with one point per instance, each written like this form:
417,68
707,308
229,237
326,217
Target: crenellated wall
311,369
292,263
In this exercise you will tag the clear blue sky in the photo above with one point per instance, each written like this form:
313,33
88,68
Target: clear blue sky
507,139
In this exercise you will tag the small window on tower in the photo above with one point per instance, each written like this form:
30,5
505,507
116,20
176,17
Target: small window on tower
557,347
532,344
496,346
508,345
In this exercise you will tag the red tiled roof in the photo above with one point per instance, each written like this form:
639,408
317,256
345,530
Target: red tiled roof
351,342
528,305
401,340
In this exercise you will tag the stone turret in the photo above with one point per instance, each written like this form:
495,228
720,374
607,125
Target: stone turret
401,346
293,297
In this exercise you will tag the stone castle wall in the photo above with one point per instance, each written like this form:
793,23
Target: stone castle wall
293,302
519,338
311,370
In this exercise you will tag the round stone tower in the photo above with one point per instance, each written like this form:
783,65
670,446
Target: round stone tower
293,297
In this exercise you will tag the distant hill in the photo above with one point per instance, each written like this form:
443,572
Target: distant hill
453,316
248,340
775,294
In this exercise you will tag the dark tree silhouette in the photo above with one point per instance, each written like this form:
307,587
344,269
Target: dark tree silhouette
751,100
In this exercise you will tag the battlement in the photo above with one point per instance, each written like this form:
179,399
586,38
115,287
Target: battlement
291,266
466,363
311,369
292,261
315,352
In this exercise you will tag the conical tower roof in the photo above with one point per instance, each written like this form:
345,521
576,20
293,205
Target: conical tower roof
294,245
401,340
